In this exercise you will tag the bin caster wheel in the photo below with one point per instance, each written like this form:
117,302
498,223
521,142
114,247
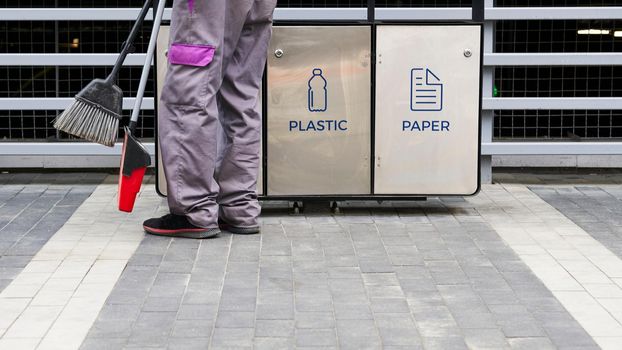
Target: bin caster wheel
334,207
298,207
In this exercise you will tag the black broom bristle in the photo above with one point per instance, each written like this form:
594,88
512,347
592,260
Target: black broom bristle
89,121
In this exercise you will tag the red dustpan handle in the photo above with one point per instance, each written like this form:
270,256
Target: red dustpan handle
134,162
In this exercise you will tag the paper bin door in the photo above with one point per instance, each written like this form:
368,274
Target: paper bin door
162,65
318,111
427,109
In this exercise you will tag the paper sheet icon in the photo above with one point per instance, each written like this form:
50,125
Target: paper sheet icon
426,90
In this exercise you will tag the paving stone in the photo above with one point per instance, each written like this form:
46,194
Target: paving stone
228,302
379,305
358,334
197,311
316,319
145,260
161,304
316,337
569,337
103,344
152,329
122,312
275,328
400,336
235,319
14,261
273,343
190,329
485,339
232,337
126,296
515,329
104,329
445,343
186,343
352,312
529,343
274,312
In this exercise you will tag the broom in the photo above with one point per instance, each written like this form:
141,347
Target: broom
95,112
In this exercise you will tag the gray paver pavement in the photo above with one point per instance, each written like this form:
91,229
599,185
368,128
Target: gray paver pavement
596,209
430,275
401,275
32,208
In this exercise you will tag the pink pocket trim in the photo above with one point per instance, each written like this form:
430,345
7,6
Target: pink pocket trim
191,54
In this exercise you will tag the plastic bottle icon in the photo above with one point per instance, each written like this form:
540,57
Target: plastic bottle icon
318,94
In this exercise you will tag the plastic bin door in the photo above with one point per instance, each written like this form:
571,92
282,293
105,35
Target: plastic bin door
162,64
427,109
318,111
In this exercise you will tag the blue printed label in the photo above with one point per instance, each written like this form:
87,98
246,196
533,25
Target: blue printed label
318,125
426,95
426,125
317,102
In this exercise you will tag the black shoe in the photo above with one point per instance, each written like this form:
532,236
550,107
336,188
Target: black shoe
172,225
240,230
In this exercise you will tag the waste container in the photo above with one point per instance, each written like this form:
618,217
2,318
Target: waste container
427,109
339,123
318,111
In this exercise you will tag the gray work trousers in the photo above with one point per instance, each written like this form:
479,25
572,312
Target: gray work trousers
216,56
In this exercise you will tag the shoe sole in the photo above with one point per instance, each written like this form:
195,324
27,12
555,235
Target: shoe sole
191,233
240,230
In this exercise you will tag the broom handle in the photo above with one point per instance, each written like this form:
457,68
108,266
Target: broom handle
147,66
129,44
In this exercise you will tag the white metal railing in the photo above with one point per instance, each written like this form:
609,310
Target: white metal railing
488,148
491,60
50,103
489,103
457,13
130,14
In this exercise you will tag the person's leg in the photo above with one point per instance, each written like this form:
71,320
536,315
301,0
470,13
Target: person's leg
241,119
188,111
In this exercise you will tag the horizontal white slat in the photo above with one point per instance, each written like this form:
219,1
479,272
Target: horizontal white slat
75,14
553,59
8,104
69,59
490,148
492,13
502,13
551,148
64,148
318,14
130,14
565,103
490,59
423,14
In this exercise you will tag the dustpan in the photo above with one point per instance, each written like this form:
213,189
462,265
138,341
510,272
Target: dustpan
135,159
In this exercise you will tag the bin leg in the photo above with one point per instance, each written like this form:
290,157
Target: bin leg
298,207
334,207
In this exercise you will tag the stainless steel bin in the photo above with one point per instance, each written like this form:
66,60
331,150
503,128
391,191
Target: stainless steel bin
324,137
427,111
318,111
